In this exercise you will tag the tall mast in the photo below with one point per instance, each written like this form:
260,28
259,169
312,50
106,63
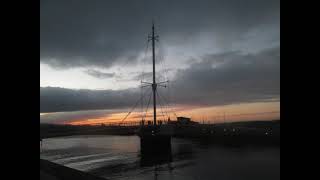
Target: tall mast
154,84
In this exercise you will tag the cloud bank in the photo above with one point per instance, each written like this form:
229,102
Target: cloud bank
80,33
215,79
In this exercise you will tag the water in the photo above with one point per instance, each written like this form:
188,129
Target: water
118,158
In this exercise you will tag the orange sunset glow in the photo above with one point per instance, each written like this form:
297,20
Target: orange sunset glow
219,114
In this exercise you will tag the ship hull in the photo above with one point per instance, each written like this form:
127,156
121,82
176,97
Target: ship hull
155,139
155,143
155,150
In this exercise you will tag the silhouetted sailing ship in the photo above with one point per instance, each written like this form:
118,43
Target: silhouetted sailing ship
155,137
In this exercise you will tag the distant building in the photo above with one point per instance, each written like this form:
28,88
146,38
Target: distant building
182,121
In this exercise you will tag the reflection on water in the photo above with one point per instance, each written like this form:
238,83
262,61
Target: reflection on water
118,157
147,160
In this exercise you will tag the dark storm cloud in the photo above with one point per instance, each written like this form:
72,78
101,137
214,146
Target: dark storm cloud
217,79
230,78
99,74
77,33
54,99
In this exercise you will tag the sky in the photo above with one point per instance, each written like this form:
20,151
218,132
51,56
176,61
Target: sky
221,57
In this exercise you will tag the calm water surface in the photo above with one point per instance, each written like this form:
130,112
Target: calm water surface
118,158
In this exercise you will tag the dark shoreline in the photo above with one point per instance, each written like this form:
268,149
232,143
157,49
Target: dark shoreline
53,171
259,133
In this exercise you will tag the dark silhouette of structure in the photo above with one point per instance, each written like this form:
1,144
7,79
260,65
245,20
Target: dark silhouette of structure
182,121
154,138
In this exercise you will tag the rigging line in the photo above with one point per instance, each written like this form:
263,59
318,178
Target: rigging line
169,95
142,77
164,70
130,112
161,61
145,55
165,106
168,102
168,83
166,79
145,112
143,95
147,107
161,106
164,62
141,99
165,100
173,99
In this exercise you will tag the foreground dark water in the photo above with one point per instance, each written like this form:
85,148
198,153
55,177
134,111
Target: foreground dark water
118,157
